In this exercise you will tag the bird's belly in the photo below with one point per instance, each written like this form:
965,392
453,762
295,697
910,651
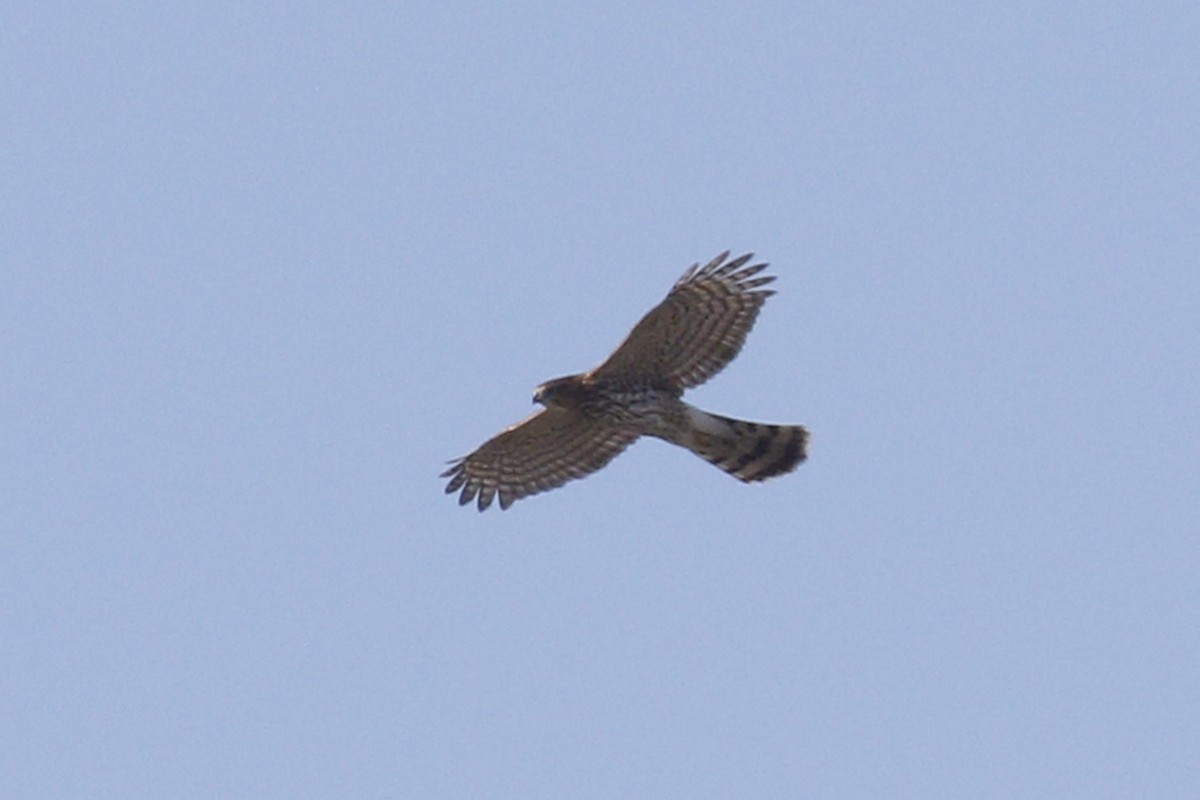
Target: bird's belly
649,412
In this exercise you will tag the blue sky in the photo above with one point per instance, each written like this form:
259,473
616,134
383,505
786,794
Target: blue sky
266,267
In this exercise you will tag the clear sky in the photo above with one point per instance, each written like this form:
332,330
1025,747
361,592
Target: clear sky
267,266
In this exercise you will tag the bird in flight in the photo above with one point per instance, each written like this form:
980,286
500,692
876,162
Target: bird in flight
588,419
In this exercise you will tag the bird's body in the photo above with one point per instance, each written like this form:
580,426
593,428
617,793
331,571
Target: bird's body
590,418
651,410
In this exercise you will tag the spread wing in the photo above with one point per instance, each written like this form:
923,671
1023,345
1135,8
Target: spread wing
542,452
698,329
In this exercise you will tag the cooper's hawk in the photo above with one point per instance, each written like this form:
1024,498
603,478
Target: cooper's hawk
589,418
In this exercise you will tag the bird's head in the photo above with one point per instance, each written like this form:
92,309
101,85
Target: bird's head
558,392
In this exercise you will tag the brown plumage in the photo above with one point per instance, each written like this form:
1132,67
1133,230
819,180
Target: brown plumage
590,418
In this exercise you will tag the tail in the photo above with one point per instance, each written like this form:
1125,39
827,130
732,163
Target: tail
749,451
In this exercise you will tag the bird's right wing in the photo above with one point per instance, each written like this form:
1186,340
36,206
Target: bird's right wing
542,452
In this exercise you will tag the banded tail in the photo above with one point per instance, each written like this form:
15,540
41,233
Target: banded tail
749,451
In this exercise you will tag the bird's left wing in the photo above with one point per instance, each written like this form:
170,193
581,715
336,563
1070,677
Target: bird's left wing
698,329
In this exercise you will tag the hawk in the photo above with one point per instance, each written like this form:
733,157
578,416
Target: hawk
588,419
